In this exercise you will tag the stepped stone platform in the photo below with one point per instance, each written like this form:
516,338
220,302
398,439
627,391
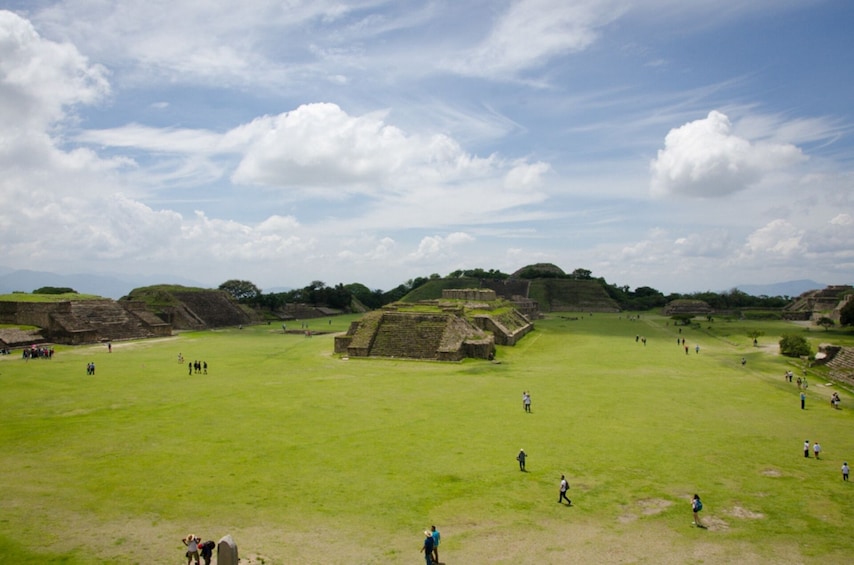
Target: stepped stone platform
197,310
438,329
814,304
85,321
841,364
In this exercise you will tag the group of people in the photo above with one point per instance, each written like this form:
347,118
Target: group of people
90,368
430,547
198,367
816,448
37,353
196,549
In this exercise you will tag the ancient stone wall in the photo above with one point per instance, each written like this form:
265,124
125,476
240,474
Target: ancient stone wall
470,294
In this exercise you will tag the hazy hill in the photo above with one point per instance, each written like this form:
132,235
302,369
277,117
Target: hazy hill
788,288
108,286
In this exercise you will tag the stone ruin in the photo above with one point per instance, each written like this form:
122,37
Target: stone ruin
442,332
85,321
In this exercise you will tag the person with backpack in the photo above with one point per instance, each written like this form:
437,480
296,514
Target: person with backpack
564,486
696,507
206,549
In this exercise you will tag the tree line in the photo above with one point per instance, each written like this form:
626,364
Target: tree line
341,296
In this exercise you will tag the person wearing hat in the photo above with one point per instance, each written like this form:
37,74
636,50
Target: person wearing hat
427,548
192,543
521,459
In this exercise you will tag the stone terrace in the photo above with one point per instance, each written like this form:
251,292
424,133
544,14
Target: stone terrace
210,309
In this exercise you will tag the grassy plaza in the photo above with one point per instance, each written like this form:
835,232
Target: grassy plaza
305,457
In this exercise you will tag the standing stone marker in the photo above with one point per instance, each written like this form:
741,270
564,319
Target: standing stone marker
226,551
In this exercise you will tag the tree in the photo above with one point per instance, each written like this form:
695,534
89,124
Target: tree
682,319
582,274
792,345
846,315
242,291
825,322
755,334
54,290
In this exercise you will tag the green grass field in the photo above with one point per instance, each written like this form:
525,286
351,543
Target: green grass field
304,457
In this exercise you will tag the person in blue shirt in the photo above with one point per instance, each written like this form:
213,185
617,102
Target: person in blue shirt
436,536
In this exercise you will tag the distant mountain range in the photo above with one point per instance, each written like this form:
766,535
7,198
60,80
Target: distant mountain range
789,288
108,286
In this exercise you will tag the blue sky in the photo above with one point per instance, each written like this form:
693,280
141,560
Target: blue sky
681,145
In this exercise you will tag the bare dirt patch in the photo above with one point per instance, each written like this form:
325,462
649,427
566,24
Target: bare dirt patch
772,473
740,512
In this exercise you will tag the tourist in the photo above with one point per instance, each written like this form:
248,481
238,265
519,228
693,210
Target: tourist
816,449
845,471
192,543
807,448
521,459
696,507
834,400
436,537
427,547
206,549
564,486
803,400
527,402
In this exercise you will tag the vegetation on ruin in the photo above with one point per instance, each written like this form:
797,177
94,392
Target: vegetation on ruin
38,297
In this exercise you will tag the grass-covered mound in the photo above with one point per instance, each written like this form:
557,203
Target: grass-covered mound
571,295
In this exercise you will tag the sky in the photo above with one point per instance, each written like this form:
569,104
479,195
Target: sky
686,146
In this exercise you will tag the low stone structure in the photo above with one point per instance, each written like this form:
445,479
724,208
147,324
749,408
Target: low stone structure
85,321
440,330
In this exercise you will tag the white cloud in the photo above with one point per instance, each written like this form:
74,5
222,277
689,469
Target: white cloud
778,238
531,32
41,79
704,158
432,247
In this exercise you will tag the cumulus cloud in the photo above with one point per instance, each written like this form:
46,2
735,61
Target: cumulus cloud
41,79
705,158
777,238
435,246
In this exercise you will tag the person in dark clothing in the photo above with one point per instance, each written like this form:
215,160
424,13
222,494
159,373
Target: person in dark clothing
206,550
521,459
427,548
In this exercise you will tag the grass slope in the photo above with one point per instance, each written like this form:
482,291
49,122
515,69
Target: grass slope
307,458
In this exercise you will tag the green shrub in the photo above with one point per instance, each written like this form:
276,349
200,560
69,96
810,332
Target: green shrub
792,345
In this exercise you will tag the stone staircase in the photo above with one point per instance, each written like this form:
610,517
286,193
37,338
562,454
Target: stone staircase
408,335
88,321
842,365
212,309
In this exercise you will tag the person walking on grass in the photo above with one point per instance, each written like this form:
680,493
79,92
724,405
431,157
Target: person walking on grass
436,537
527,402
807,448
816,449
696,507
521,459
803,400
427,547
564,486
845,471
